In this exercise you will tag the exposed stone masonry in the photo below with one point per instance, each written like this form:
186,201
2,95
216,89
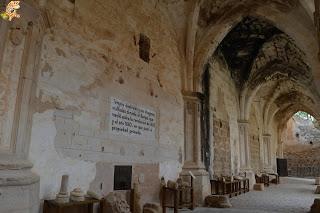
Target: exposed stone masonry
222,156
303,163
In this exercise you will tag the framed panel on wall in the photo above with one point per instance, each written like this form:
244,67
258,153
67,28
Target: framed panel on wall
122,177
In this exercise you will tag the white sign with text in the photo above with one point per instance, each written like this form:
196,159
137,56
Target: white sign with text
130,120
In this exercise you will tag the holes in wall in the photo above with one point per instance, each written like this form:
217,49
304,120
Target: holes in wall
297,135
121,80
144,47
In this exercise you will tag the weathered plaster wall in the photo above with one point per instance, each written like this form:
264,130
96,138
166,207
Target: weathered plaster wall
89,55
224,109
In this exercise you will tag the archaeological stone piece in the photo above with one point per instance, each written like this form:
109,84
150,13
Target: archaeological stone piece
315,208
77,195
317,181
217,201
152,208
317,190
258,187
136,198
114,203
62,196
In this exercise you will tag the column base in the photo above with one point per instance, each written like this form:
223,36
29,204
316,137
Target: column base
201,183
19,187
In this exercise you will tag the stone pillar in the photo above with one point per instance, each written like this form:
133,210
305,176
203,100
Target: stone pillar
245,161
192,146
280,149
20,45
267,163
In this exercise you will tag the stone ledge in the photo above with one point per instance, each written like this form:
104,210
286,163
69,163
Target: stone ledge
18,177
15,164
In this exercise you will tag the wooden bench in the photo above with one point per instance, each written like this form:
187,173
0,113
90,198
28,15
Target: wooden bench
228,187
263,178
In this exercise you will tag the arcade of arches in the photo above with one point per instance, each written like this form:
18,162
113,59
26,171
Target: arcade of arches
164,86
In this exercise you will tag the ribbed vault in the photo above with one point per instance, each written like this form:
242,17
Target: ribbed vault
267,66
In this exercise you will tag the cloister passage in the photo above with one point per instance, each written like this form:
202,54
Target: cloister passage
265,67
120,94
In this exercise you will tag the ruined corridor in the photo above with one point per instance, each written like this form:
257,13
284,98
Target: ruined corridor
121,100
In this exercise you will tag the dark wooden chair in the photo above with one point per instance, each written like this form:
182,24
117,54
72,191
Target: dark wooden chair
244,184
178,197
263,178
276,180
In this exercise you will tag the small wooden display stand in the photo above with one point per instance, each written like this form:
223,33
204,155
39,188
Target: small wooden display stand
263,178
86,206
178,195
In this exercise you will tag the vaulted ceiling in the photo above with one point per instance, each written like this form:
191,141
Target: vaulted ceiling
242,45
261,57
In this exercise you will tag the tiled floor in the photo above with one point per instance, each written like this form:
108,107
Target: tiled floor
293,195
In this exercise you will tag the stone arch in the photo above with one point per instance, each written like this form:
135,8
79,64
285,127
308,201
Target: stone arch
278,60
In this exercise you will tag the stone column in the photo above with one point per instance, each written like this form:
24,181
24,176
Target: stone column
192,146
20,45
280,149
244,145
267,164
245,160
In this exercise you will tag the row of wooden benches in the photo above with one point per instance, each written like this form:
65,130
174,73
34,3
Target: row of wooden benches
183,197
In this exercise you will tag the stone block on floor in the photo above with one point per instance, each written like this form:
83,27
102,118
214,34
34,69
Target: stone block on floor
152,208
315,208
258,187
217,201
115,203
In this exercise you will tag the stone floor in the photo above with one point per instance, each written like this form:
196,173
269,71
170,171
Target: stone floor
293,195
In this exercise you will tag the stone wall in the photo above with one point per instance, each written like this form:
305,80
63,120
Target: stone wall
224,118
90,55
222,151
301,131
303,157
305,163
